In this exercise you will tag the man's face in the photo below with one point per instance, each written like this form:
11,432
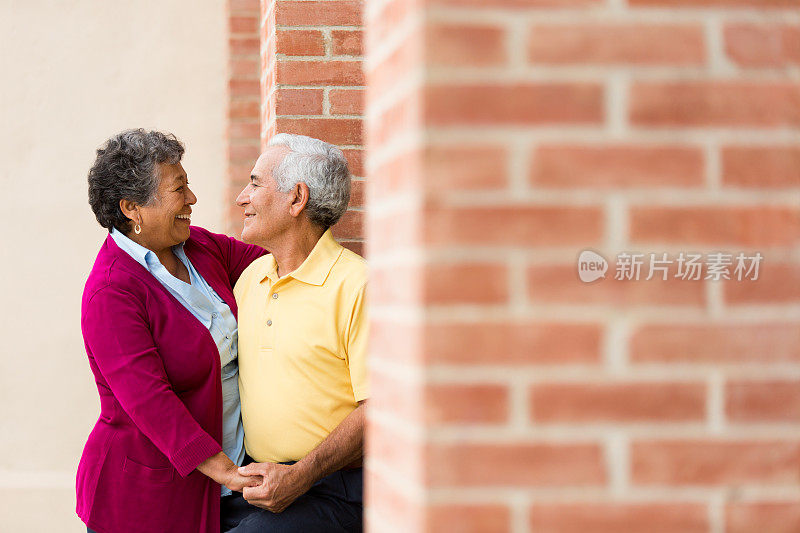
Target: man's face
266,210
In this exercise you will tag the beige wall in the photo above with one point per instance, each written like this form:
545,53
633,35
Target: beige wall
73,73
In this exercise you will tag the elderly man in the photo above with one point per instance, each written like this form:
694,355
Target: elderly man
302,346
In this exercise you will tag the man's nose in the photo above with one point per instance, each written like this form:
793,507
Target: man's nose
243,198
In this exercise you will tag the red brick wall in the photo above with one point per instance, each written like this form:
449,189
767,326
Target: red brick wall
312,83
503,138
244,100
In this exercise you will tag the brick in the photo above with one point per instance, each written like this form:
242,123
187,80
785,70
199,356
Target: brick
777,283
300,43
766,167
298,101
465,45
523,343
347,43
617,402
469,283
355,161
710,462
763,45
466,167
616,166
244,130
354,246
525,465
244,153
402,62
763,401
560,284
244,108
400,342
395,447
244,46
761,516
350,226
402,397
715,104
346,101
466,404
761,4
400,173
393,230
387,18
243,24
761,343
515,4
615,517
238,176
340,131
320,72
514,225
711,225
251,88
472,518
521,104
397,119
245,69
390,508
318,13
401,285
357,193
641,44
244,5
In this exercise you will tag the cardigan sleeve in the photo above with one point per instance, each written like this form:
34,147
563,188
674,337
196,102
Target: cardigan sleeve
236,255
240,255
116,331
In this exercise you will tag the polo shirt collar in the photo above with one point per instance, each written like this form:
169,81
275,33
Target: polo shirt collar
318,264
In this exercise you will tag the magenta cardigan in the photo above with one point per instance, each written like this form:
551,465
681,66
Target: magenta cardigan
157,370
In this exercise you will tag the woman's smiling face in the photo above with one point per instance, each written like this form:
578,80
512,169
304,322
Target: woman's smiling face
165,221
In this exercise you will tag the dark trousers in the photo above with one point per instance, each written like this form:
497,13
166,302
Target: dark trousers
333,504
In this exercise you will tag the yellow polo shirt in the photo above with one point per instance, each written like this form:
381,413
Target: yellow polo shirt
302,349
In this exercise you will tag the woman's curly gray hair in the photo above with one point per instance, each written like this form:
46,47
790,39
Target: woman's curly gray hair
323,168
126,168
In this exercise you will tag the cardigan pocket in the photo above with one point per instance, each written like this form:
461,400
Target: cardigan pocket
157,475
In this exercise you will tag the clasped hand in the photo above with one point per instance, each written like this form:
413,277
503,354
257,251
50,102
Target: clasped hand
237,482
281,485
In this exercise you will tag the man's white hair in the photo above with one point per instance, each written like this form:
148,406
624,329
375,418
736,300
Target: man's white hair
321,166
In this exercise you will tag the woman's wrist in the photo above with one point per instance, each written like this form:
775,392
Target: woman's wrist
219,468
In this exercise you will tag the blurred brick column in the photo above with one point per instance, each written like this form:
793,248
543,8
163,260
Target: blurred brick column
503,138
244,99
312,84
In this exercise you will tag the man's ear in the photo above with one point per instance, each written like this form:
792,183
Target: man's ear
300,195
131,210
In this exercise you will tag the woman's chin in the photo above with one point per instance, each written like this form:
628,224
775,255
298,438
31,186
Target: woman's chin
181,233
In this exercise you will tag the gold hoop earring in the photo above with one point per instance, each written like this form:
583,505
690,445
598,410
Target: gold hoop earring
137,229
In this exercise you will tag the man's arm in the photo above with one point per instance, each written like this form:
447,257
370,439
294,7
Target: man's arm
283,484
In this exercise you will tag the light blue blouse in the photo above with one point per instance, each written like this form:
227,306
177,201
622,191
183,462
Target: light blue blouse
212,311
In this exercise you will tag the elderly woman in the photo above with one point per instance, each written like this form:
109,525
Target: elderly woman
159,323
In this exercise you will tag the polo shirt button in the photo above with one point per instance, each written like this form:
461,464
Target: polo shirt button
215,315
275,296
269,322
